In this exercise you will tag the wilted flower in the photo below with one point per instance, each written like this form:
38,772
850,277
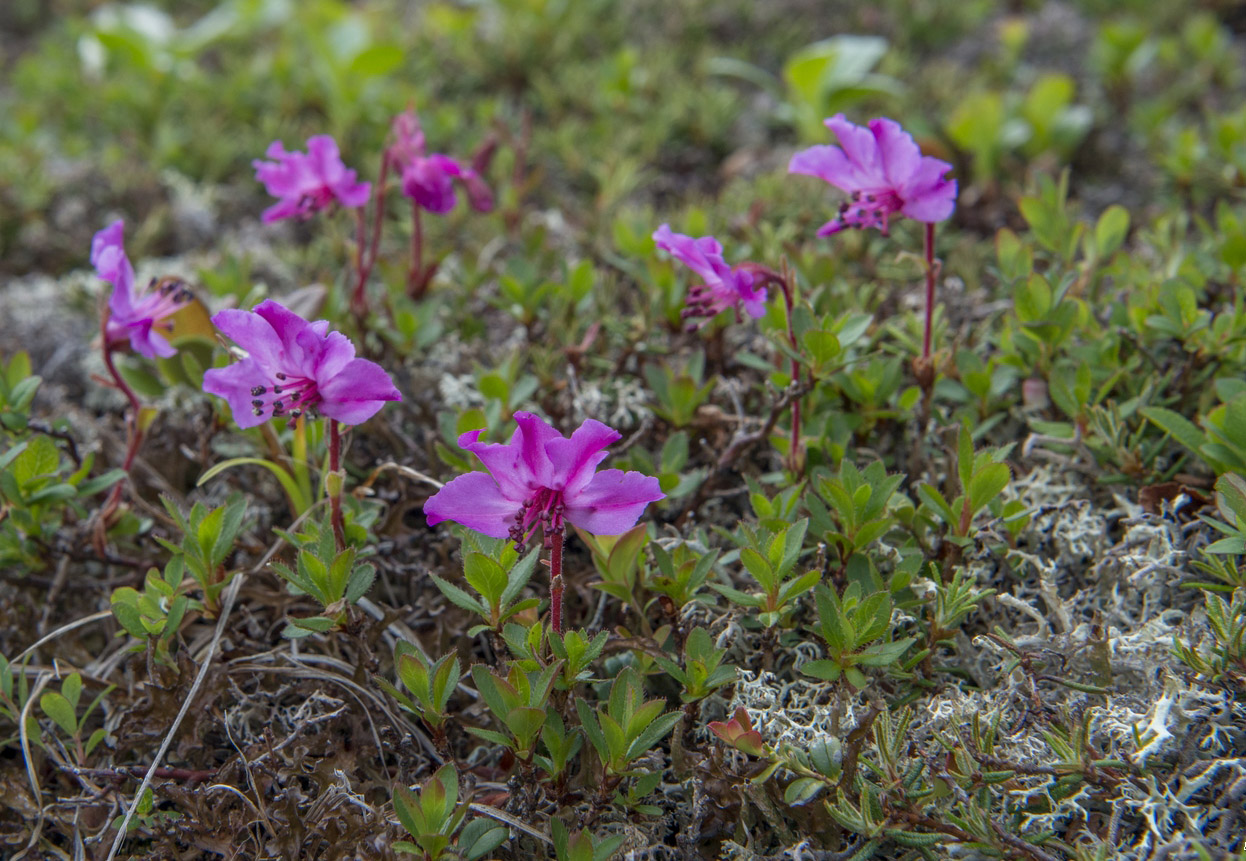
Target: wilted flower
429,179
724,287
138,315
883,171
293,366
541,478
308,182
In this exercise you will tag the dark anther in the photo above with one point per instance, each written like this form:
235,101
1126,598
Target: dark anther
869,198
256,391
257,403
257,411
295,413
278,406
276,390
280,376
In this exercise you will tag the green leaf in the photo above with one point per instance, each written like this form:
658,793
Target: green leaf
460,598
821,345
1111,229
480,837
299,628
59,710
652,734
71,689
988,483
377,61
1178,426
485,576
38,460
801,790
758,566
826,670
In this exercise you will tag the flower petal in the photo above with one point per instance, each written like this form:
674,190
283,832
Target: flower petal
325,159
285,176
234,383
612,502
479,194
533,437
575,459
861,148
703,256
112,265
336,351
145,340
253,333
826,163
899,153
475,501
356,393
929,195
427,181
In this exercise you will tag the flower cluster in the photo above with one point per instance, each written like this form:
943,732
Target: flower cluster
294,367
428,179
308,182
543,479
143,316
884,173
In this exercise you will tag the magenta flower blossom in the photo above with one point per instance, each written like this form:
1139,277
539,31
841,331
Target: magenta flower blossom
883,171
138,315
724,287
429,179
292,367
308,182
541,478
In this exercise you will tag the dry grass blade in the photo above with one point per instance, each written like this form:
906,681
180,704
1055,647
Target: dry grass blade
231,595
63,629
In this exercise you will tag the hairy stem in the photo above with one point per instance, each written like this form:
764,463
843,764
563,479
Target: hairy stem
365,260
134,433
930,290
555,582
415,275
335,497
794,460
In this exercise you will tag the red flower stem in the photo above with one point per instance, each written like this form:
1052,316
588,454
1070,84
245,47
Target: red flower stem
365,262
335,499
555,582
415,277
793,454
134,433
930,289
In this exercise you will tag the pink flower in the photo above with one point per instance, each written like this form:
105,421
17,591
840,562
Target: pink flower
724,287
883,171
138,315
429,179
307,183
293,366
541,478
